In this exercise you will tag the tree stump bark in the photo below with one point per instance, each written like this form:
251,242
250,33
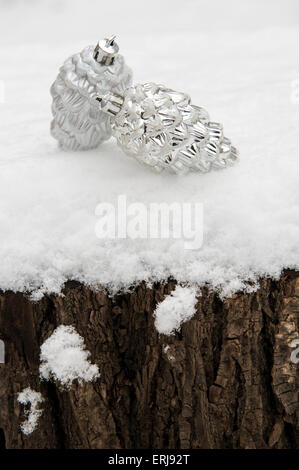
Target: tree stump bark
225,381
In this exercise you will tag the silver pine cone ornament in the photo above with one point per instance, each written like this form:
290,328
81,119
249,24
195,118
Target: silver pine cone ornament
162,129
78,122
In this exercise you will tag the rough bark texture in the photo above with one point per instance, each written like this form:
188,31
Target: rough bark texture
226,380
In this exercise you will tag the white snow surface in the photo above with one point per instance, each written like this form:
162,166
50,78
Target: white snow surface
239,60
64,358
175,309
32,398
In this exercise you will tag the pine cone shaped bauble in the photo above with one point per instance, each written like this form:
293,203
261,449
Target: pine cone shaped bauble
161,128
78,123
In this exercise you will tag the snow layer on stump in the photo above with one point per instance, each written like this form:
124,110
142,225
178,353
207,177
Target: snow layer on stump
245,78
64,358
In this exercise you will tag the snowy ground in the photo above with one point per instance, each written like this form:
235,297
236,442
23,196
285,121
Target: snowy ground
237,59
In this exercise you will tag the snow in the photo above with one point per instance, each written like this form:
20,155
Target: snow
33,398
64,358
237,59
175,309
167,351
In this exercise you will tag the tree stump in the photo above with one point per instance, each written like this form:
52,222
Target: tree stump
226,380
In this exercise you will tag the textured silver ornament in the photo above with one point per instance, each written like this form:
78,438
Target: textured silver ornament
78,123
162,129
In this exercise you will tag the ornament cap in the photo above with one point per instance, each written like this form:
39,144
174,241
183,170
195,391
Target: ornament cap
106,50
111,103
